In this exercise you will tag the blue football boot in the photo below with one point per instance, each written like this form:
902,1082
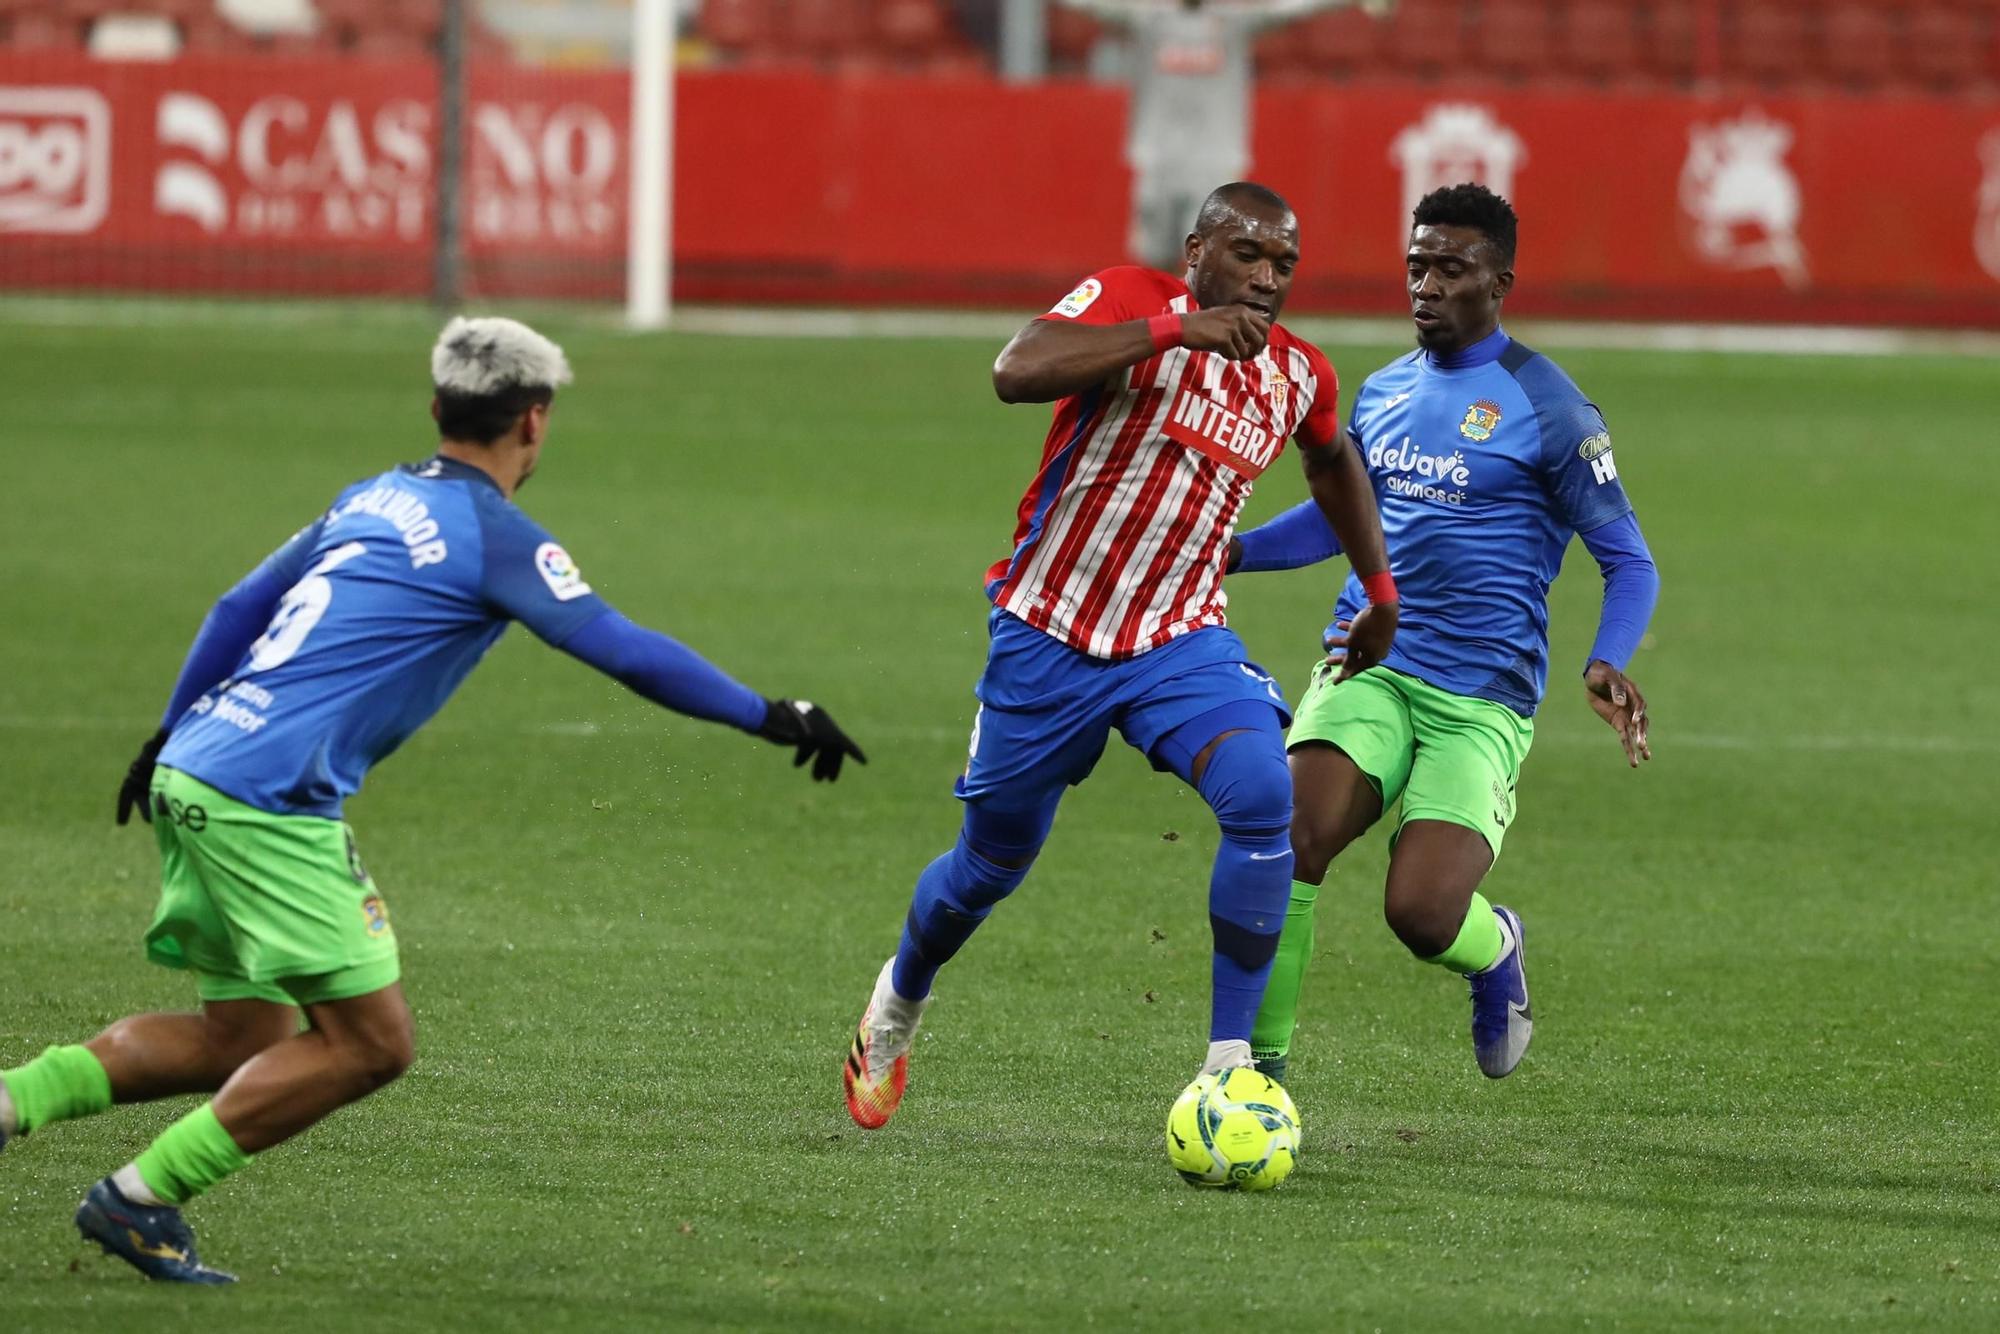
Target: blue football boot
153,1239
1502,1023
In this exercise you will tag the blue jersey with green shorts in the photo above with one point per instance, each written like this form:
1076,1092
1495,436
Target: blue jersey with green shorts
394,594
1485,464
320,663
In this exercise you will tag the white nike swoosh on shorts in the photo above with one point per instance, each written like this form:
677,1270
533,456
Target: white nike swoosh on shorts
1268,856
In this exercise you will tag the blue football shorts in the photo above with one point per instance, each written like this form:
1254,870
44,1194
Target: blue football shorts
1046,709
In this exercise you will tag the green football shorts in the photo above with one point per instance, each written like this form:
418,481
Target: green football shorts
1448,757
262,906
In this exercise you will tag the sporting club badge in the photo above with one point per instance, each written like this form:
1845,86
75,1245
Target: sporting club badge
1480,419
1279,389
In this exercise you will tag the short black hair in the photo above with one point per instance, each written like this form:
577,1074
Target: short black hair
1472,206
1224,200
484,418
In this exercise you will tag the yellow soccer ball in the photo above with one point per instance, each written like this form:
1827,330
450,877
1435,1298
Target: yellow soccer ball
1234,1131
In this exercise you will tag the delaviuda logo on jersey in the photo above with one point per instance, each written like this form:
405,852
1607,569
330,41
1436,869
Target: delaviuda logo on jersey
1420,476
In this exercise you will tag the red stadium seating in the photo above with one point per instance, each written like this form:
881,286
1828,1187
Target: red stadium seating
1426,39
1345,44
1859,44
826,30
1515,39
1941,47
1671,50
42,31
737,26
1599,41
1765,44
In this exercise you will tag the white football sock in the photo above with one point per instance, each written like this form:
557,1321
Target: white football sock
133,1186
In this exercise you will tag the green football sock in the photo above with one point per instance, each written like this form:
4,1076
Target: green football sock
1271,1036
189,1157
1479,940
62,1084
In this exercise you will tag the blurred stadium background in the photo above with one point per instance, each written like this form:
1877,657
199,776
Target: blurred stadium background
1765,1070
1760,160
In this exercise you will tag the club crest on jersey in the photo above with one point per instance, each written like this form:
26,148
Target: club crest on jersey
1208,428
559,572
1079,301
1277,388
1480,419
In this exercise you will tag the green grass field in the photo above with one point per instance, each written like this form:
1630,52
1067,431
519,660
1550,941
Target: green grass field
1765,1087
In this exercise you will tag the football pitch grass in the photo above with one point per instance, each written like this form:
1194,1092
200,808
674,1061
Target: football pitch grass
1765,1086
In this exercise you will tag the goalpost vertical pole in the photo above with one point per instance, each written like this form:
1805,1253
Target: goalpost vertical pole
648,261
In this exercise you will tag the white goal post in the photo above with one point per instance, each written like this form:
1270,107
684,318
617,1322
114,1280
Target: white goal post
649,261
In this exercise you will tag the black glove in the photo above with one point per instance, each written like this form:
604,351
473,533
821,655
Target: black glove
801,723
136,792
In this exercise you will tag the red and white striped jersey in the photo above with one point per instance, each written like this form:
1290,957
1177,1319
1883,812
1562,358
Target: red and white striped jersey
1124,532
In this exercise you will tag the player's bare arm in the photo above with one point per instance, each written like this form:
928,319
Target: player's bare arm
1618,701
1049,360
1240,260
1339,484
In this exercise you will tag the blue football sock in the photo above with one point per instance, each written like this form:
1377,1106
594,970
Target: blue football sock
1248,784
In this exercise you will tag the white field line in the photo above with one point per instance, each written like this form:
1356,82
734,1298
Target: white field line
1666,741
767,322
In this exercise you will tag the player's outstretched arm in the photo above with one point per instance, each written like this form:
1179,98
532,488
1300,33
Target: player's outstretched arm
1631,590
231,627
1051,359
674,676
1298,537
1340,487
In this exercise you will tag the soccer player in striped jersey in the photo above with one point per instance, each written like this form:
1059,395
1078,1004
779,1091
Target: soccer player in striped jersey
317,665
1172,395
1487,459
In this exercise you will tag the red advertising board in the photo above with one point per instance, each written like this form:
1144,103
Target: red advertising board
269,175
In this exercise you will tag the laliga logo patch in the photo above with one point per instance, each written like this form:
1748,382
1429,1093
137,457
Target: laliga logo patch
1480,419
1079,301
559,572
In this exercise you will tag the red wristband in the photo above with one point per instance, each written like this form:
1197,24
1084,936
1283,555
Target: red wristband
1379,587
1165,331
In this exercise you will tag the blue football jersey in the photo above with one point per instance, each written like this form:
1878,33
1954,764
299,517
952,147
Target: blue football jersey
394,595
1484,465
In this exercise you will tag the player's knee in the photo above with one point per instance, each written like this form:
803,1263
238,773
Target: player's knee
383,1058
983,874
1423,922
996,848
377,1052
1248,784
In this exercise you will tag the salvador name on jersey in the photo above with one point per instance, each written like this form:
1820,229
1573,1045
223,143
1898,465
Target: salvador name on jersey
1484,466
395,594
1120,540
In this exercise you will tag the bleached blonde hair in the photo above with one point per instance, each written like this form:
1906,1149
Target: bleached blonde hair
491,354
